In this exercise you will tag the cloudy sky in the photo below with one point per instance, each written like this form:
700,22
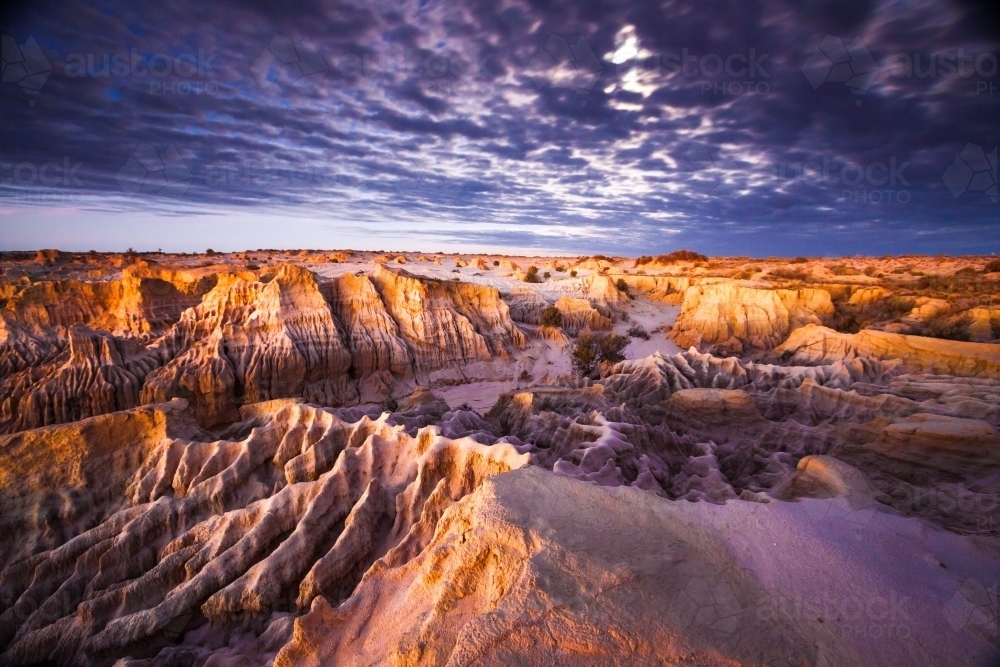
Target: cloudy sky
751,128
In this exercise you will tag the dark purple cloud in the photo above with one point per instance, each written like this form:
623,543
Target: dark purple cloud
749,128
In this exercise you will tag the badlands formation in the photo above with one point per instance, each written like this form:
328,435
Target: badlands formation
350,458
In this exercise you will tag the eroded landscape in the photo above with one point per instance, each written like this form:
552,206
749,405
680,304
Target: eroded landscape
324,458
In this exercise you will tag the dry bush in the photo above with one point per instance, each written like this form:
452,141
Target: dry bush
636,331
951,327
551,317
789,274
843,270
747,272
593,349
852,318
971,284
672,258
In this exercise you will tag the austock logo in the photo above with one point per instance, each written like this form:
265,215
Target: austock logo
974,605
859,183
855,514
973,170
711,607
698,160
834,61
48,174
150,172
251,175
53,182
736,74
283,59
24,65
575,66
710,172
873,615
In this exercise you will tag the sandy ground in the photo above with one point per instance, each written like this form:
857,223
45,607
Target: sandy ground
482,383
921,586
544,360
649,315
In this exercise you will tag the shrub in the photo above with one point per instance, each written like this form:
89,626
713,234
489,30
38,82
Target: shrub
681,256
870,271
561,269
572,274
208,252
531,276
592,349
851,318
525,376
584,356
636,331
622,286
551,317
969,283
747,272
612,347
671,258
895,306
799,260
992,266
966,271
789,274
496,262
843,270
950,328
546,275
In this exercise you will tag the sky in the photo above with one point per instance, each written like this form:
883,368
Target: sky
761,128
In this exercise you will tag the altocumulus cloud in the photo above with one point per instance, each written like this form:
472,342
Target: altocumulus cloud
750,128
